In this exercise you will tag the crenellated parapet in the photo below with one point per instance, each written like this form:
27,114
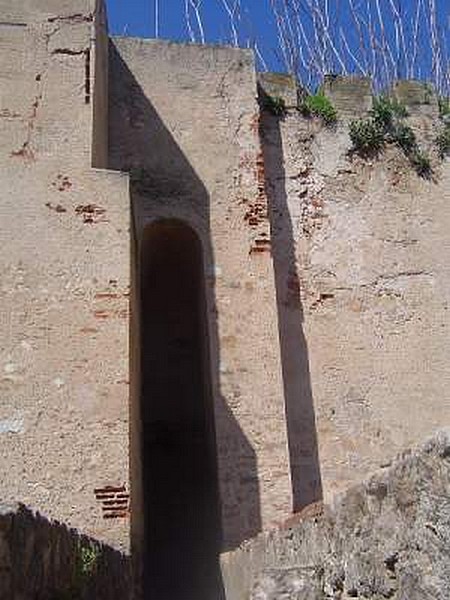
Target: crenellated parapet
351,95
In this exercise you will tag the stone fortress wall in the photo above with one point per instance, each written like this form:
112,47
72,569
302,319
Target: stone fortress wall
64,274
327,278
365,243
198,160
67,253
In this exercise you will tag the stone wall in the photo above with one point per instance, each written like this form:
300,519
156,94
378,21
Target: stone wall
388,537
184,121
44,560
64,277
363,285
358,303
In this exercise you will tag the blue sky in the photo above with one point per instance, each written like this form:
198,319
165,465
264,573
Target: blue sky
137,18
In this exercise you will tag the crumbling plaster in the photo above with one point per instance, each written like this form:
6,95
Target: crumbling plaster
64,327
340,262
198,159
370,253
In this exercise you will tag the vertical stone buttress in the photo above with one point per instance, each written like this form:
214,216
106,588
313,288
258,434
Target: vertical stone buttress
64,271
184,122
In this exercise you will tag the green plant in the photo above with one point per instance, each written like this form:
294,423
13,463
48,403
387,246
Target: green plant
86,560
366,136
386,111
319,105
442,142
421,162
444,107
404,137
87,557
386,124
275,105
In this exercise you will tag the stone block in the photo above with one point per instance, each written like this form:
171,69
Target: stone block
351,96
279,85
418,97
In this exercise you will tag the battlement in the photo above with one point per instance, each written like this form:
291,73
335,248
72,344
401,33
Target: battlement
352,96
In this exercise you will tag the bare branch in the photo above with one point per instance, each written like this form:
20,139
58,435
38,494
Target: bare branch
260,56
383,39
400,38
187,14
361,37
416,37
196,4
435,46
386,53
355,60
233,11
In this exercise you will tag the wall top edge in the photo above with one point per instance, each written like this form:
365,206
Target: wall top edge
352,95
36,10
165,43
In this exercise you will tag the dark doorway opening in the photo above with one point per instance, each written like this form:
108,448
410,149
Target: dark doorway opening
180,482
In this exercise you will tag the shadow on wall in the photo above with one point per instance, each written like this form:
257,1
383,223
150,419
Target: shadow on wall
185,511
301,422
44,559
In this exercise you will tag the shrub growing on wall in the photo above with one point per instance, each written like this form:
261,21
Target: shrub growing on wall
318,105
443,138
386,125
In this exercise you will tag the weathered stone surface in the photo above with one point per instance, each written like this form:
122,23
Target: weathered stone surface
199,160
351,96
360,255
386,538
421,102
359,248
44,560
416,93
64,266
280,85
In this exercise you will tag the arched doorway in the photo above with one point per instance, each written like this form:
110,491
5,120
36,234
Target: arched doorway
179,463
